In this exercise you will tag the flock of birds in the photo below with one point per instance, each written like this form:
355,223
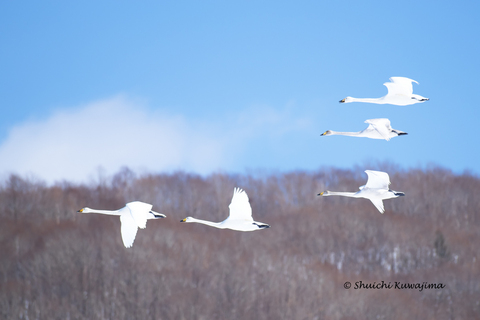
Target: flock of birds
400,92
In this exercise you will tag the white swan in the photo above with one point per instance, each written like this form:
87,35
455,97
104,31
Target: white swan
400,93
375,190
240,217
377,129
133,216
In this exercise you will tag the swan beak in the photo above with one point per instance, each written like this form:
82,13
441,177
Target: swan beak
81,210
321,193
342,101
324,133
183,220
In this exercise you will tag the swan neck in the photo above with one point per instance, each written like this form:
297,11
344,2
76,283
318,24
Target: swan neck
208,223
341,193
368,100
108,212
340,133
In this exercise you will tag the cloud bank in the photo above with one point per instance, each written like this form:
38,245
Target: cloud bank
72,144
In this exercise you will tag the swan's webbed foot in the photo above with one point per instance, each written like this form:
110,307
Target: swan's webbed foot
261,226
158,215
421,100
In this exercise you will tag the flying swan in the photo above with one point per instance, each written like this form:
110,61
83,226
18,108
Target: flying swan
133,216
400,93
240,217
377,129
375,190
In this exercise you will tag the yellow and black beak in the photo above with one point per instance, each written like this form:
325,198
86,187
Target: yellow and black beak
324,133
81,210
183,220
321,193
342,101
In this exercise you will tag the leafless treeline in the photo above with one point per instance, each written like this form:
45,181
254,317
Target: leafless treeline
59,264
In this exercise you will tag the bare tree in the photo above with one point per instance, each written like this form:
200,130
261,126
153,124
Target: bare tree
57,264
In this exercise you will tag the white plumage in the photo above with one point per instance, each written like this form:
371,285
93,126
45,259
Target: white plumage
400,93
376,190
377,129
133,216
240,217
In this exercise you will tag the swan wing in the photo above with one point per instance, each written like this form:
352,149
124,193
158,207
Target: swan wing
378,203
139,211
240,206
400,86
382,126
128,229
377,179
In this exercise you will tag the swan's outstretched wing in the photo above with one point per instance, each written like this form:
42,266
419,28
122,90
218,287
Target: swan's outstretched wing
139,211
378,203
382,126
377,180
400,86
128,228
240,207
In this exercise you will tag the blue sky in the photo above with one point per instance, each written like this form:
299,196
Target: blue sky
232,86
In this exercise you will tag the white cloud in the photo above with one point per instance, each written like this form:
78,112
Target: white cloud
71,144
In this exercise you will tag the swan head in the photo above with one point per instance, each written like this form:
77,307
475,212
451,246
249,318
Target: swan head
187,219
346,100
326,133
85,210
